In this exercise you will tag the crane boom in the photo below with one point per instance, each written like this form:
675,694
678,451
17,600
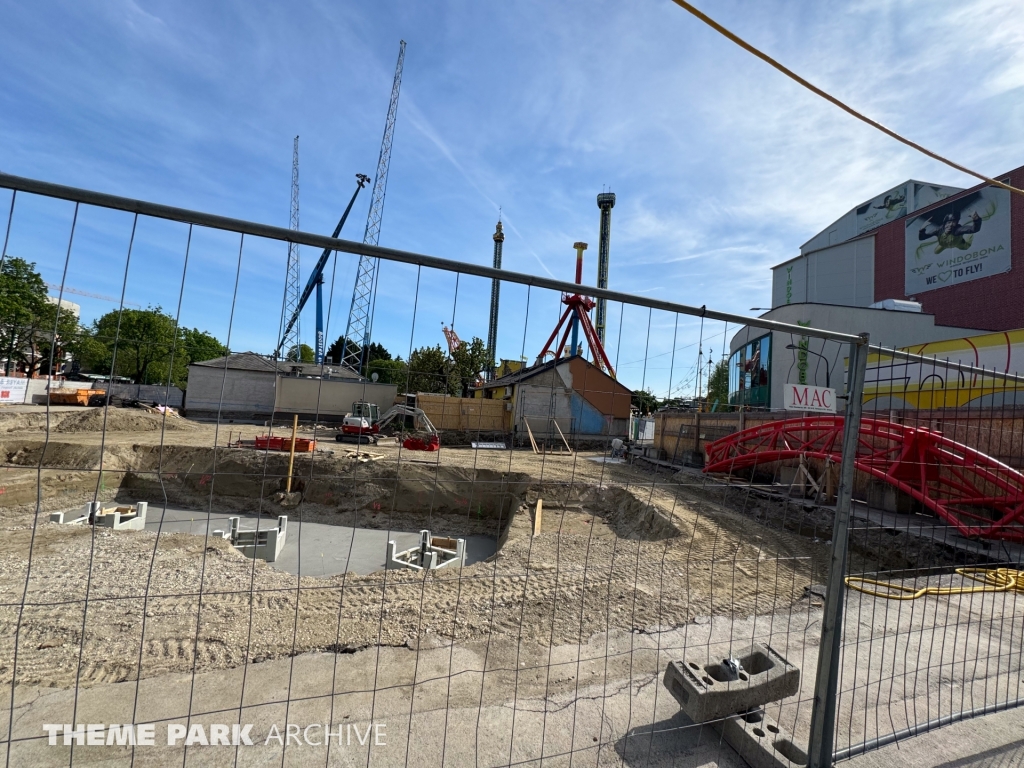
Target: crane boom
318,270
66,289
360,316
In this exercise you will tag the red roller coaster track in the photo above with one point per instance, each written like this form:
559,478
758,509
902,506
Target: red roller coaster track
980,496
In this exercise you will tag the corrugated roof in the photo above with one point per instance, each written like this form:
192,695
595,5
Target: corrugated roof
251,361
244,361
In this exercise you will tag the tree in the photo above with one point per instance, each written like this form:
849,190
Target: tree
389,372
196,346
644,400
303,354
342,348
135,340
148,347
468,361
29,320
338,350
718,385
428,370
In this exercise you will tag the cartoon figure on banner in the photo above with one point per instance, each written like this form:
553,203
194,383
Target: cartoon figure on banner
893,205
950,232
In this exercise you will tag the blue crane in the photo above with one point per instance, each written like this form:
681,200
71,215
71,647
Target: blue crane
316,281
360,316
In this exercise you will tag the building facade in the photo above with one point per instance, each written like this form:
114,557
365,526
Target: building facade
954,251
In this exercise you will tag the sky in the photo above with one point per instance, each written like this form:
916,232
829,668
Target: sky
721,166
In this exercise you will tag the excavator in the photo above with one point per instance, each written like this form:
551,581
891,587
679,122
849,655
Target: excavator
365,423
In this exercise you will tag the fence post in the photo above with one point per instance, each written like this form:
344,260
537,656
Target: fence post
826,684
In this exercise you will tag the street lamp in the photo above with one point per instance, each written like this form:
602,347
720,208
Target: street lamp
760,309
828,374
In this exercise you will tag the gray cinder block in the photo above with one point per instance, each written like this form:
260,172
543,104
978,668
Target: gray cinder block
709,689
761,741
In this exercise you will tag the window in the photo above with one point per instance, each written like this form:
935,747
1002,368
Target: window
750,374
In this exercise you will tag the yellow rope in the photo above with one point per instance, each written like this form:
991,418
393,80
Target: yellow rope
833,100
995,579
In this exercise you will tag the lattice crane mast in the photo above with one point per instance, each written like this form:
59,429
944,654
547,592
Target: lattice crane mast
292,340
360,316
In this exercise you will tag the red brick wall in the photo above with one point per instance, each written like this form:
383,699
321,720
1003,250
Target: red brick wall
990,303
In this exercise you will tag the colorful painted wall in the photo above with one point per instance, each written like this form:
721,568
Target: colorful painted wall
893,383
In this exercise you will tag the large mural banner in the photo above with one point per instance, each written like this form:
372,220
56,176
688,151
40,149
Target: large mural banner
884,208
894,383
960,241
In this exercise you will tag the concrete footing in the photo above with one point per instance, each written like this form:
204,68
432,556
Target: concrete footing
120,517
432,552
708,689
262,543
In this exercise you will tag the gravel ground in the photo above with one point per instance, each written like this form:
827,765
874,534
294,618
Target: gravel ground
620,549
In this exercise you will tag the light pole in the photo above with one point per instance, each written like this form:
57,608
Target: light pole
828,374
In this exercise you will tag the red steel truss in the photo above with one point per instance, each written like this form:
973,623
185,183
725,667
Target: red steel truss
978,495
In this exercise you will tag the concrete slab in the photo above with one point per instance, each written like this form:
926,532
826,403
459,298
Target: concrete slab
313,549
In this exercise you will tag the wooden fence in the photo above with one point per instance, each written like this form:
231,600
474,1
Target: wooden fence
466,414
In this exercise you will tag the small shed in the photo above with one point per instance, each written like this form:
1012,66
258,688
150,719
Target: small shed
572,393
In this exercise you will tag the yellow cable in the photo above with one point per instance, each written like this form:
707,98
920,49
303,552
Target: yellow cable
833,100
995,579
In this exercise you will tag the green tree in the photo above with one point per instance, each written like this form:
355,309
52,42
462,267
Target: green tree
341,347
195,346
644,400
468,361
428,370
389,372
718,385
337,351
28,320
136,340
303,354
149,349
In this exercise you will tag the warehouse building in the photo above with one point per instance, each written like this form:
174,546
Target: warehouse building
917,264
246,386
571,395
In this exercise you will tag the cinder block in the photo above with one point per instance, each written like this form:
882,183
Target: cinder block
761,741
704,690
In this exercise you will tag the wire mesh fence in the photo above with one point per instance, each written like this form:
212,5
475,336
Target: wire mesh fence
247,581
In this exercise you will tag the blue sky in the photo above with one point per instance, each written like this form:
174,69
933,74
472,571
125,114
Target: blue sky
721,167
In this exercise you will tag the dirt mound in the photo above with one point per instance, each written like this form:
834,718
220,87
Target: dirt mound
19,421
122,420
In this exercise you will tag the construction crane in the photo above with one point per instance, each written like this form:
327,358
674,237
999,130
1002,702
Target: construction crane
56,287
291,281
316,280
360,315
454,342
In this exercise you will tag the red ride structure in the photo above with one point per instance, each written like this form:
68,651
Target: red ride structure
578,308
978,495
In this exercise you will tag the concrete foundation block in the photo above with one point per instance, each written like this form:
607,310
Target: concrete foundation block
761,741
707,689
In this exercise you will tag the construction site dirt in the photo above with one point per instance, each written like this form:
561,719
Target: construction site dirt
618,549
